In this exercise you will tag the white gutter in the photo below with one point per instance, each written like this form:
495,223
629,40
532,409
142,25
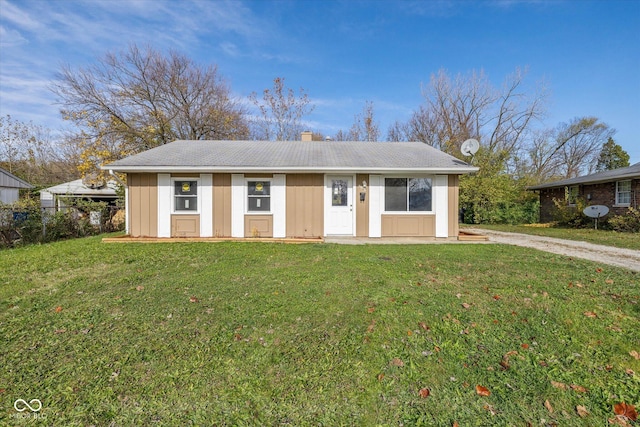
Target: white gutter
294,169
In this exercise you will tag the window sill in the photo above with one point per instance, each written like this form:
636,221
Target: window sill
408,213
624,205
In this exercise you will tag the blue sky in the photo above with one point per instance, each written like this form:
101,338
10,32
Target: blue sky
343,53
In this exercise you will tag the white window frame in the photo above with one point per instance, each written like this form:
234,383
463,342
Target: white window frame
618,192
383,201
246,196
173,195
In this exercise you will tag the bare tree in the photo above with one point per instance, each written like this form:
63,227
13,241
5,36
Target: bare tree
569,150
469,106
30,152
138,99
364,127
579,143
281,112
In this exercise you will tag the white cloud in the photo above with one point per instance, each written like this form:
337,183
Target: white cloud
17,16
11,37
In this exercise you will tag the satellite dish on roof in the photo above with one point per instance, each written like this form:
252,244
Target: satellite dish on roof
470,147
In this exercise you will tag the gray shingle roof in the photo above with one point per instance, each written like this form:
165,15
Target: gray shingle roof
292,156
632,171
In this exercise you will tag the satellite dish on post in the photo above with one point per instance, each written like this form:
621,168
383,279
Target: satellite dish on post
595,212
470,147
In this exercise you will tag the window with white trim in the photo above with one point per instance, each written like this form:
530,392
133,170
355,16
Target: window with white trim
623,192
259,196
185,195
408,194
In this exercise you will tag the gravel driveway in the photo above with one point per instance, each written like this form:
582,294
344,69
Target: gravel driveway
627,258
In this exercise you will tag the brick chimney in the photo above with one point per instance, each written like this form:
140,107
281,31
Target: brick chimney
307,136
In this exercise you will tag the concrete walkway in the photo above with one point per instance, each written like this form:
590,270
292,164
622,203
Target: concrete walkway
619,257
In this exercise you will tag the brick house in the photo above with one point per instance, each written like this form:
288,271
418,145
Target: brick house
618,189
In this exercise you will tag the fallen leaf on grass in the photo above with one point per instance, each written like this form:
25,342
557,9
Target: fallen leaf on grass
371,309
139,288
609,282
465,305
371,326
582,411
424,392
455,424
396,362
547,405
524,345
619,420
490,409
58,309
496,297
578,388
630,372
424,326
60,331
194,299
590,314
635,354
559,385
482,391
625,410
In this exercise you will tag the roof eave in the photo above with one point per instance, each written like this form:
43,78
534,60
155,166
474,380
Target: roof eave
564,183
255,169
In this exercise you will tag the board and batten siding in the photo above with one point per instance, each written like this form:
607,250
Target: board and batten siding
305,205
143,203
222,205
362,208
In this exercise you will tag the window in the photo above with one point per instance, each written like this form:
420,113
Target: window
259,193
185,195
623,192
407,194
339,192
572,194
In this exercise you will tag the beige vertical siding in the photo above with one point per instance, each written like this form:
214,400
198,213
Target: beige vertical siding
222,205
408,226
305,205
143,204
362,208
453,205
185,225
258,226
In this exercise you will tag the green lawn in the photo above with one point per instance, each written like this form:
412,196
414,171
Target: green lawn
316,334
600,237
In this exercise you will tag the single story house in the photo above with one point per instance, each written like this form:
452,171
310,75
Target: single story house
60,196
618,189
10,186
292,189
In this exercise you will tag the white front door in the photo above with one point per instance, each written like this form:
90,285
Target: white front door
339,205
